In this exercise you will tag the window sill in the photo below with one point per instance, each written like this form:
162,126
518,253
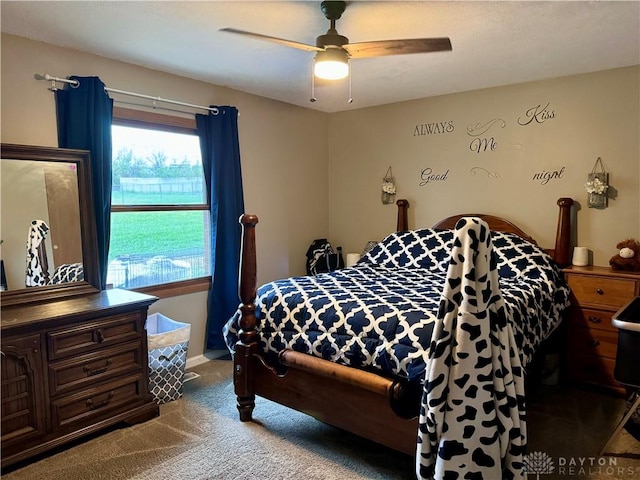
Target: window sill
175,289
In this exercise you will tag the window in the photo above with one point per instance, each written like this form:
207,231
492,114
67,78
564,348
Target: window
160,223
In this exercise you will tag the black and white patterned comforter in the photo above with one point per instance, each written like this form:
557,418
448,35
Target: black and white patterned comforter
381,312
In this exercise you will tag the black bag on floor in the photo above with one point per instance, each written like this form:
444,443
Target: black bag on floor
322,259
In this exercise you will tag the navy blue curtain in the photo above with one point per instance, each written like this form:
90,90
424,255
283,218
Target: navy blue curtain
218,134
84,115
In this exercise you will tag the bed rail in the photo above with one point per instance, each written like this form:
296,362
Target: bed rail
352,376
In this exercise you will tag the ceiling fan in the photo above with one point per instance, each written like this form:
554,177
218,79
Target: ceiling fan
333,50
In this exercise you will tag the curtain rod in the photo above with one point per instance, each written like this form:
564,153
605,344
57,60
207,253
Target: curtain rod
75,83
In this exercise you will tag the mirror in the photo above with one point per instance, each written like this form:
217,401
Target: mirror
48,233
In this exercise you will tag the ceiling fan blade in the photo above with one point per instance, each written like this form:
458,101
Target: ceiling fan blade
281,41
398,47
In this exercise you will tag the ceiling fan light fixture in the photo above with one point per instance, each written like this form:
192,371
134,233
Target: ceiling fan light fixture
331,64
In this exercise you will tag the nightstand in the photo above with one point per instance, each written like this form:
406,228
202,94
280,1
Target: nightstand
597,293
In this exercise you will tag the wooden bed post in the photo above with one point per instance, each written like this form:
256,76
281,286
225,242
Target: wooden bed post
247,344
402,224
562,251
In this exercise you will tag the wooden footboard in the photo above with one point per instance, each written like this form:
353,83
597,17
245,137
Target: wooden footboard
364,403
347,398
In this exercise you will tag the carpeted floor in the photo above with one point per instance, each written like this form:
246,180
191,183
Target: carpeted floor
200,437
571,426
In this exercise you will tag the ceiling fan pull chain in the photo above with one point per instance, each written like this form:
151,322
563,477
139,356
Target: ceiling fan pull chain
350,99
313,84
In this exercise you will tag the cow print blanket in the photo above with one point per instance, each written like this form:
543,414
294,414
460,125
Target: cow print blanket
472,419
36,273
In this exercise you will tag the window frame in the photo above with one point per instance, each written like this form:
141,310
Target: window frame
143,119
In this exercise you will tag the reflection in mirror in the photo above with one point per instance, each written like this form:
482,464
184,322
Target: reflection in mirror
48,240
41,233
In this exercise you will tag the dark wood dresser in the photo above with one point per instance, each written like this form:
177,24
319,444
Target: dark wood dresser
597,293
72,367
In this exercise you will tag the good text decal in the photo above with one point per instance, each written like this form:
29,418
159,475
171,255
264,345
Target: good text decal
427,176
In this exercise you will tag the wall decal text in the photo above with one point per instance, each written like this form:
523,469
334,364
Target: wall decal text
482,144
433,128
543,177
539,114
427,176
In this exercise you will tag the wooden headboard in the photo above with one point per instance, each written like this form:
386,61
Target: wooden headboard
561,252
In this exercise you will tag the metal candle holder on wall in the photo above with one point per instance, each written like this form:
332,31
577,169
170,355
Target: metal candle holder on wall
597,185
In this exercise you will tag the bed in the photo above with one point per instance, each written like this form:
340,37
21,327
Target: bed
422,346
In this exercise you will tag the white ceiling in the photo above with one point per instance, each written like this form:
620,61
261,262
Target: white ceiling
494,42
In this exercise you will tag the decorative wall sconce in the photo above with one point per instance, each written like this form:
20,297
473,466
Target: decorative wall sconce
597,185
388,188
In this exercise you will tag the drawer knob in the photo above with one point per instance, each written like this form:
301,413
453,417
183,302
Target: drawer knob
594,343
96,371
599,291
593,319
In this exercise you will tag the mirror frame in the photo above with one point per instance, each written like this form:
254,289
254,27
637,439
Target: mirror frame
91,267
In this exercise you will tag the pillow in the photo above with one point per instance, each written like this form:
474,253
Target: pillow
516,257
431,249
425,248
67,272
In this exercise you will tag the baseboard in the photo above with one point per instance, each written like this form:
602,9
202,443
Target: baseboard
195,361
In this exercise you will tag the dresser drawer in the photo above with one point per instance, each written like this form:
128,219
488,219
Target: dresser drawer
592,369
591,341
591,318
601,291
80,372
93,404
83,338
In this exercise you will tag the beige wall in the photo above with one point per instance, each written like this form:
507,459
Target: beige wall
594,115
281,146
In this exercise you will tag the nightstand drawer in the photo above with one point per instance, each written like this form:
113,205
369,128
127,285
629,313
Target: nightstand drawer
591,341
601,291
80,372
83,338
591,318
